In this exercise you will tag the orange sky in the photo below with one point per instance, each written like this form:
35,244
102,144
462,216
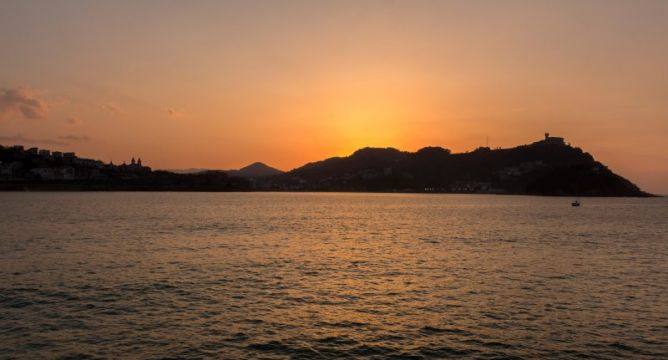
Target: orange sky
220,84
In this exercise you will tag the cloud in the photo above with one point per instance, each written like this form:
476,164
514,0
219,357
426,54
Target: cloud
21,102
109,107
74,138
73,120
173,112
19,139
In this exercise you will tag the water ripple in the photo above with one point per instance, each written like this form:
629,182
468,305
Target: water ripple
328,276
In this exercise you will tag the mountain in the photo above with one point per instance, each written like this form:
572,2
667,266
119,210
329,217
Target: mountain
546,167
255,170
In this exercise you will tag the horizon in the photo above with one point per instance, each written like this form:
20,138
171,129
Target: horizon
268,165
265,163
224,84
262,162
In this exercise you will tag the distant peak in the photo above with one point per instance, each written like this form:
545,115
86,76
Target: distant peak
256,169
256,164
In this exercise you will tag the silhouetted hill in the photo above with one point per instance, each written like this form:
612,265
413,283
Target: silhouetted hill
546,167
255,170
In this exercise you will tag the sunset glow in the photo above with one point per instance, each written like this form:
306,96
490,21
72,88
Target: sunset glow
227,83
333,179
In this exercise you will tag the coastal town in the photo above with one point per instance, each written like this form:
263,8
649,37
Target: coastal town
33,164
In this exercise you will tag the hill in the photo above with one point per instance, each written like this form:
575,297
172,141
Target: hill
255,170
546,167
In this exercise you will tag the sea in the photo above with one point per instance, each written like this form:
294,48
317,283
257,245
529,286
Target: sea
160,275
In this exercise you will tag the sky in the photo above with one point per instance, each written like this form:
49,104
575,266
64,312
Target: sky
221,84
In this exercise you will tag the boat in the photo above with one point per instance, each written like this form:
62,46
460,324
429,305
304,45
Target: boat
576,202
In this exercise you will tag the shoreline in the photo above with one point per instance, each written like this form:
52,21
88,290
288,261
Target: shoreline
5,187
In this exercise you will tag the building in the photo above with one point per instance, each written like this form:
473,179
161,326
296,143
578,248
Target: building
553,140
67,173
45,153
11,170
69,157
32,151
43,173
48,174
89,163
135,167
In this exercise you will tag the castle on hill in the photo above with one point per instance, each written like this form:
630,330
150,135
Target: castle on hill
552,140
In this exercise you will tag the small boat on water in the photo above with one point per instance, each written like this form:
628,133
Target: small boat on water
576,202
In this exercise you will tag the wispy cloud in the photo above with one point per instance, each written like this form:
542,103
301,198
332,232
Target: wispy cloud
171,112
60,140
21,102
22,140
112,108
74,138
73,120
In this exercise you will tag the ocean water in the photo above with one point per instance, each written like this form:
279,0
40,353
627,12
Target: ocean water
323,276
